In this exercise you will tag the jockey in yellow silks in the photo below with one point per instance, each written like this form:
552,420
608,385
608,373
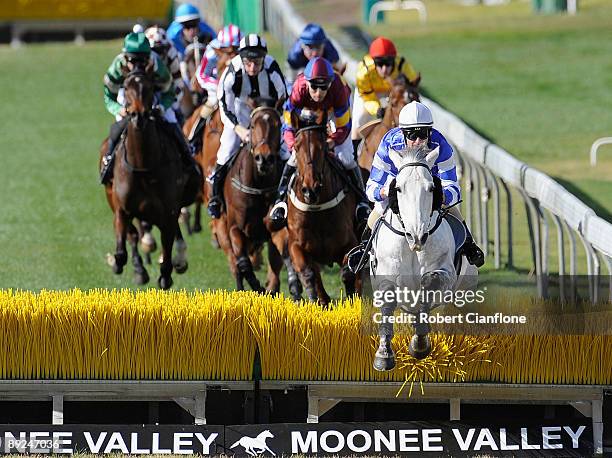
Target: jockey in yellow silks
374,74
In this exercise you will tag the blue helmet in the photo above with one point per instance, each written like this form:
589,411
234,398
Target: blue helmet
312,34
186,12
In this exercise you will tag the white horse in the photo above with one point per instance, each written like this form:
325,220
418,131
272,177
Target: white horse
255,445
413,249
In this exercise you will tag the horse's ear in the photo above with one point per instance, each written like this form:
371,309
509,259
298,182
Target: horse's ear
295,120
279,104
321,117
432,156
416,81
251,103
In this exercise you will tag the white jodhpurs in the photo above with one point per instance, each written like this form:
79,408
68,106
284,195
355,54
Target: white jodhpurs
360,115
230,142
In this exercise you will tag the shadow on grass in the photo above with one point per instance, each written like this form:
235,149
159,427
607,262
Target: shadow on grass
588,199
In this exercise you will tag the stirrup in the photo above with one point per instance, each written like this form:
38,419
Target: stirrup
282,205
355,257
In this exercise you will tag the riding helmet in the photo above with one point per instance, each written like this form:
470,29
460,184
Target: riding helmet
415,114
185,13
136,43
319,70
312,34
252,46
382,47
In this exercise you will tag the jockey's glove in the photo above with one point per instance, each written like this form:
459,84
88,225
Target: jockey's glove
380,113
242,132
392,198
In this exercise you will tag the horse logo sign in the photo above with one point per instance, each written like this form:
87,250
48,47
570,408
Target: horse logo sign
255,446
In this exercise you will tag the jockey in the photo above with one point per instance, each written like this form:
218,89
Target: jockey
137,53
416,129
227,42
251,74
186,26
374,73
320,88
311,43
165,49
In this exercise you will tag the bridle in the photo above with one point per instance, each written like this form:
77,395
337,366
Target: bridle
270,110
441,212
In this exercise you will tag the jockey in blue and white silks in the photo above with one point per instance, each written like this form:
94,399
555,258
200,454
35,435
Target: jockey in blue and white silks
384,170
416,131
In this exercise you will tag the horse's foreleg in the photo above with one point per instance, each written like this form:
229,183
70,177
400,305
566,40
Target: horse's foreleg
147,241
243,263
197,215
179,262
384,360
306,273
168,232
120,257
141,276
275,264
279,239
185,218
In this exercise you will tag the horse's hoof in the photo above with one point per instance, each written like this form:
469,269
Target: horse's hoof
181,268
420,346
141,278
148,243
384,360
165,282
111,260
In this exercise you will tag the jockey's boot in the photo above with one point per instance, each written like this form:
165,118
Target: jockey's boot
106,172
218,177
278,214
355,255
185,150
363,206
356,149
195,136
472,252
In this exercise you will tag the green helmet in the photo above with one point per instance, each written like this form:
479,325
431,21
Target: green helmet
136,43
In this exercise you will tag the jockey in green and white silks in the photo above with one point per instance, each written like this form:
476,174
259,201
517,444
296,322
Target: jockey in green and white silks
416,131
137,52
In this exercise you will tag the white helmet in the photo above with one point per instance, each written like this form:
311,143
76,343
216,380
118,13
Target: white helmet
157,38
415,114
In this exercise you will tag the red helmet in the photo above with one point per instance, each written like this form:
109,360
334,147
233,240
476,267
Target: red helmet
382,47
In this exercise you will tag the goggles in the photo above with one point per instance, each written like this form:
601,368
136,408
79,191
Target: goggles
320,85
384,61
415,133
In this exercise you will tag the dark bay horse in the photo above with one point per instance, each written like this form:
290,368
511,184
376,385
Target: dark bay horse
148,180
249,191
401,93
320,211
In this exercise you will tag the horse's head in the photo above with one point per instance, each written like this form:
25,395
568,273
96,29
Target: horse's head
402,92
265,435
139,94
265,134
415,189
310,148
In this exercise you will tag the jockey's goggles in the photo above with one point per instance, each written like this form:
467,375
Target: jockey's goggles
258,61
314,46
384,61
322,85
194,24
137,58
415,133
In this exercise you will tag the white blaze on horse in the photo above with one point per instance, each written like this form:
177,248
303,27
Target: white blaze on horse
414,248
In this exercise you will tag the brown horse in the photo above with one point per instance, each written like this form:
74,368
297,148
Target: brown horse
401,93
320,212
148,180
249,191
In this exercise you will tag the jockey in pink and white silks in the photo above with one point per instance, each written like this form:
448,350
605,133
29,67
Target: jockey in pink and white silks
416,131
251,74
227,41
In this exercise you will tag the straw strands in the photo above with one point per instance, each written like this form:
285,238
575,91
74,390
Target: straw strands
103,334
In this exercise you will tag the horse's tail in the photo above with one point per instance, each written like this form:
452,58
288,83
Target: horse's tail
236,443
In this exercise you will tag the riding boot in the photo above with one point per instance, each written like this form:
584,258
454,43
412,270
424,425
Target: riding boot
278,214
356,254
472,252
356,149
117,128
363,206
215,203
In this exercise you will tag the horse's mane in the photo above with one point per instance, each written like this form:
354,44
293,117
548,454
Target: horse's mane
413,155
267,102
401,80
